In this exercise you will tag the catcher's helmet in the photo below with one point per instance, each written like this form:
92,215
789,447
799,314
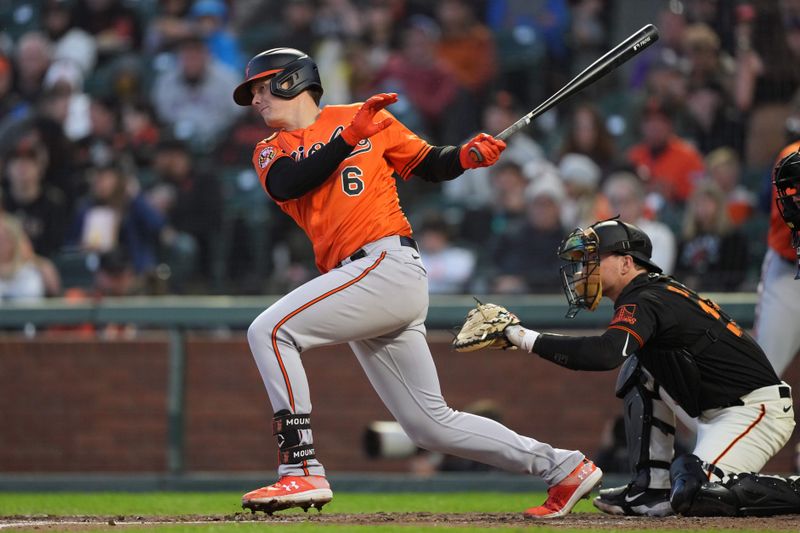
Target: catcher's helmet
287,65
582,249
786,177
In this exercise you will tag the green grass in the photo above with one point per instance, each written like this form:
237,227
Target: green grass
186,503
177,503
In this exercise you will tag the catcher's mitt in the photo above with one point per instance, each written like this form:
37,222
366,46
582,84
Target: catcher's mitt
483,328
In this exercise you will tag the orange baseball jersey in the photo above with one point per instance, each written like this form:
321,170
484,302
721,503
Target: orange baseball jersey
358,203
780,237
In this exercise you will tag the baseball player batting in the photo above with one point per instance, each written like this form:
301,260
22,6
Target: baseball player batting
677,353
779,289
332,170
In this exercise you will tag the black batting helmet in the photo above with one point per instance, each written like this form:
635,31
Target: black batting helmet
786,177
287,65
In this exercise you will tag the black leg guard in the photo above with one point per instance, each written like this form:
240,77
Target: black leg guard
693,495
286,427
764,495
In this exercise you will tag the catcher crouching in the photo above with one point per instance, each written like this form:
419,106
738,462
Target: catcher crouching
679,355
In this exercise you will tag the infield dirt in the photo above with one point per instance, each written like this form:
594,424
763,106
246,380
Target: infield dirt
589,521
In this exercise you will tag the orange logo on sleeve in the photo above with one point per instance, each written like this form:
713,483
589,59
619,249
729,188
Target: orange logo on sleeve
625,313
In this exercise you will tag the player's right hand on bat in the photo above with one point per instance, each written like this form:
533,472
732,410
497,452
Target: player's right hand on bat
363,124
483,150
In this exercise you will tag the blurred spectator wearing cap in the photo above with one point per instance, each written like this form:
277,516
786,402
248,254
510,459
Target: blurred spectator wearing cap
69,42
187,196
725,169
210,18
41,208
425,86
449,266
114,26
582,205
626,197
712,253
473,190
32,57
670,164
193,99
524,257
66,76
587,134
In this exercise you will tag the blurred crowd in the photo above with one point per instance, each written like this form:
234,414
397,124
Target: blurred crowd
125,164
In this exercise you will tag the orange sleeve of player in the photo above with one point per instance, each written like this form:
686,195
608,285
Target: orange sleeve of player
404,149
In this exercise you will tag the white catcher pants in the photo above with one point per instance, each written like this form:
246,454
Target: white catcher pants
740,438
378,305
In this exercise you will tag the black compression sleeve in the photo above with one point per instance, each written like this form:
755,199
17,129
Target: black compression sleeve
288,179
441,164
583,353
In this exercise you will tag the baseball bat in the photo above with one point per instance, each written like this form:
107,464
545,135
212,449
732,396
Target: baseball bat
611,60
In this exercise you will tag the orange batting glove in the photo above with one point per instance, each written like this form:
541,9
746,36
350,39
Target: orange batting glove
488,149
362,125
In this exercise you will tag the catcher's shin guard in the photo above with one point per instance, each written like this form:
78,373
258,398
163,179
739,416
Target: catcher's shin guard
649,426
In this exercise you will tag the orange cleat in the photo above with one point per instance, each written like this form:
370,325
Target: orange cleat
289,491
562,497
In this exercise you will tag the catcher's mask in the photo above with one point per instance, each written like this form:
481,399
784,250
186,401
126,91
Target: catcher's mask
287,66
583,248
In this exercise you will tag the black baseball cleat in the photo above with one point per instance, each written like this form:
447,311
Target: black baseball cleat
631,500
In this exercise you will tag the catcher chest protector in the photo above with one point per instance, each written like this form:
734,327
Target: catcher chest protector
288,66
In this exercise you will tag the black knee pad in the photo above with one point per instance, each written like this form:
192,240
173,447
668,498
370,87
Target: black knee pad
764,495
286,427
693,495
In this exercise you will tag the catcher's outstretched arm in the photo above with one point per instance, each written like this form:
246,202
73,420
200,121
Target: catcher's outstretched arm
603,352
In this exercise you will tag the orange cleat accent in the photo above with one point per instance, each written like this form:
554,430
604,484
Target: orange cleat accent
289,491
563,496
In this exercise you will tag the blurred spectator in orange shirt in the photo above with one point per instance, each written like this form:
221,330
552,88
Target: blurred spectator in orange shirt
670,164
467,46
